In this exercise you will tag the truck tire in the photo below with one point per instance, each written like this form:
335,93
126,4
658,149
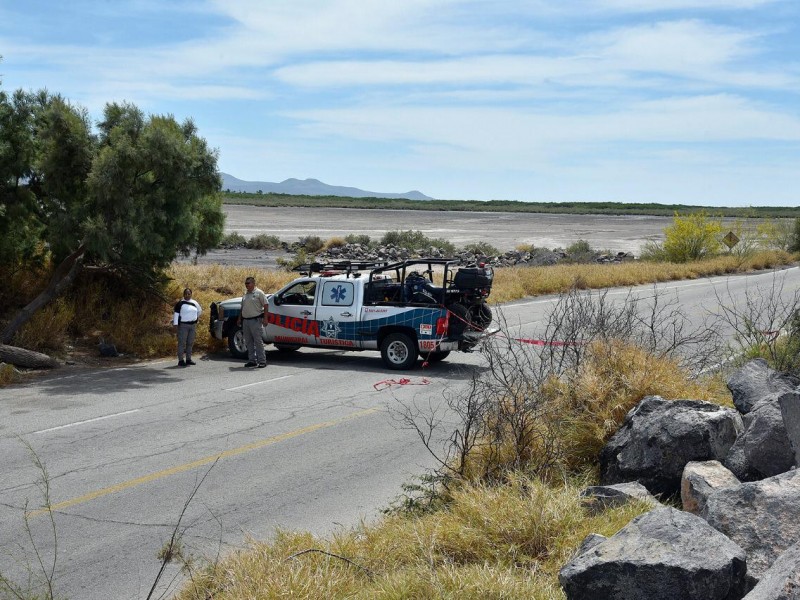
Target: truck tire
287,347
481,315
399,351
459,319
236,342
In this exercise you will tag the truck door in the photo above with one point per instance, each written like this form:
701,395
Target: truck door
291,315
337,314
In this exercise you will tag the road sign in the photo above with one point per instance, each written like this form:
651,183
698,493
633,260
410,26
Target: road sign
730,239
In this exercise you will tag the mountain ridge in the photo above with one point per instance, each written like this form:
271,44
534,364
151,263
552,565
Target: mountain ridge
309,187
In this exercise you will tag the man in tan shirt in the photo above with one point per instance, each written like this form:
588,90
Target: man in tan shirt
251,318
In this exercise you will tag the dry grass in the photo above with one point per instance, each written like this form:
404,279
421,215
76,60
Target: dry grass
613,379
518,282
492,542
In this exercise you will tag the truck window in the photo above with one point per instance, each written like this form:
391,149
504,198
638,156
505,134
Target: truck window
338,293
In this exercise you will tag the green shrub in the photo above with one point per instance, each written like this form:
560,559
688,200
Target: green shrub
794,244
405,239
693,237
312,243
482,249
362,239
233,240
262,241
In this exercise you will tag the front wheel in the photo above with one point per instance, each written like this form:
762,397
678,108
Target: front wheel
236,343
399,352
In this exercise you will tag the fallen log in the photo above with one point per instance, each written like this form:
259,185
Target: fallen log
29,359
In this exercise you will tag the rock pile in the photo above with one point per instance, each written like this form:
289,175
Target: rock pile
735,473
534,258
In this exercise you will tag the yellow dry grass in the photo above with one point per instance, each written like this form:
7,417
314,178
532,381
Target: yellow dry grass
491,542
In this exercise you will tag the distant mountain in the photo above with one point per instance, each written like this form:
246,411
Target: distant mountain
309,187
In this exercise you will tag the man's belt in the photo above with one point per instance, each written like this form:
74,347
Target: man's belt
188,322
256,317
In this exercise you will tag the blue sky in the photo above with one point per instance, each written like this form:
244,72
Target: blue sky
671,101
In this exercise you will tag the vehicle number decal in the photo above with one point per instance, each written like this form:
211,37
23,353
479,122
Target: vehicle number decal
427,345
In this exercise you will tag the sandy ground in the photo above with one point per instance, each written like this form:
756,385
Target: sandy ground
503,230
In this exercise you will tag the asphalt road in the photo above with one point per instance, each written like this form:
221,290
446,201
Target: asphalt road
308,443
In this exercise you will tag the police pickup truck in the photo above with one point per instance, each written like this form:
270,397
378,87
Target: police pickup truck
392,307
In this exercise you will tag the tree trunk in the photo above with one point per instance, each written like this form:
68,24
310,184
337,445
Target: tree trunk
62,278
26,358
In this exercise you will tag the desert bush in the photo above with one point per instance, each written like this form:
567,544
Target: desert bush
546,408
362,239
775,234
334,242
692,237
301,257
49,327
311,243
233,240
794,243
405,239
262,241
484,249
524,247
765,323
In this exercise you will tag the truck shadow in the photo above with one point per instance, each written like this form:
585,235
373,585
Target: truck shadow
363,362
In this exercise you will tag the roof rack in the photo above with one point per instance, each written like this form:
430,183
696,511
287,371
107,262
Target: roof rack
342,266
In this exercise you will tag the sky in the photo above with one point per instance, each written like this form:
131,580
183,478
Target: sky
667,101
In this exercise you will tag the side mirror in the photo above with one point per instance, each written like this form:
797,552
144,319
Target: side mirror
276,300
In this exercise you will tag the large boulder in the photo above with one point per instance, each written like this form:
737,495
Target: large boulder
664,554
756,381
763,449
699,480
659,437
782,579
598,498
790,409
763,517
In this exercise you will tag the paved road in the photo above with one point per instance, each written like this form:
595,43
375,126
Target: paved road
308,443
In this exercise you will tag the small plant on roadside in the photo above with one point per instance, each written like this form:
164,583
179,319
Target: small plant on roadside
483,249
334,242
362,239
232,241
311,243
262,241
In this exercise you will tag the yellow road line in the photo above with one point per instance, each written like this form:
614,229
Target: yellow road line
197,463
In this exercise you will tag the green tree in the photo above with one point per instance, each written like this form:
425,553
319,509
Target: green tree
691,237
127,199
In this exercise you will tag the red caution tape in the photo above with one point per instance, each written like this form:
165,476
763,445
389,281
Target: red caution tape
387,383
546,342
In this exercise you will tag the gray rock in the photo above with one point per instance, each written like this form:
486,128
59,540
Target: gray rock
659,437
756,381
699,480
790,409
664,554
763,517
601,497
782,579
763,448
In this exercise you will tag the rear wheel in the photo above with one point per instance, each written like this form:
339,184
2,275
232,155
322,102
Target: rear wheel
481,315
236,343
459,319
399,351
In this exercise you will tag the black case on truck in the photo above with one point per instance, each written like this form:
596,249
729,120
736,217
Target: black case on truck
473,277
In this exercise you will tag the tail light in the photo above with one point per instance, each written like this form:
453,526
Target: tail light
441,326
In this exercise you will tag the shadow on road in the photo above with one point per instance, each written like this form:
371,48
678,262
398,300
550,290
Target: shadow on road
101,382
362,362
